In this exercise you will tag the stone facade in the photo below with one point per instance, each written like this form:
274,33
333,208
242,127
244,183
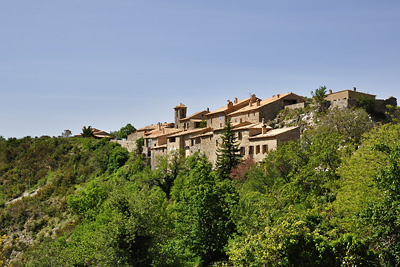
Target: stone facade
248,117
347,95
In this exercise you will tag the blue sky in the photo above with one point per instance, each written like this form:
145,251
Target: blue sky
66,64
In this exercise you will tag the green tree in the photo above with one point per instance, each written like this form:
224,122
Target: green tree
139,146
228,154
384,215
203,124
367,103
117,158
168,169
204,214
87,131
66,134
124,131
319,94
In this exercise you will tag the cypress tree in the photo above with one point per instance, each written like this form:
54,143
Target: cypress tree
228,154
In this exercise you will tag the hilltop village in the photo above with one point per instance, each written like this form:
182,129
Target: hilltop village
202,131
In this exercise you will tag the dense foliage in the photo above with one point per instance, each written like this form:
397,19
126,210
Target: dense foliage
330,199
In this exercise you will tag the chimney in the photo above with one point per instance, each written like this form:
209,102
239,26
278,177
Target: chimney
278,95
330,91
253,98
159,126
208,109
236,100
229,104
258,102
264,129
354,89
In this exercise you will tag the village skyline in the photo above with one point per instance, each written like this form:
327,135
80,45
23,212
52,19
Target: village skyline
65,65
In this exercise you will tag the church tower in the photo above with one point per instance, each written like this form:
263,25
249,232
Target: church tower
180,113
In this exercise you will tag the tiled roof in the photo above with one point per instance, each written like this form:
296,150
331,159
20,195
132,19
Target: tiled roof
206,134
274,132
258,125
154,127
97,133
347,90
180,106
163,132
262,103
193,131
224,108
194,115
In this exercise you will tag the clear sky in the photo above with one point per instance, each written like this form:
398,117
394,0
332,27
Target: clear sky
66,64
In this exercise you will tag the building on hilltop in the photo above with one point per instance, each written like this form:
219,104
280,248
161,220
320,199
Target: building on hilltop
248,118
351,98
98,134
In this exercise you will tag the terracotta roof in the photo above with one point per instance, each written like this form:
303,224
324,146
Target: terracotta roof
253,126
193,131
262,103
163,132
241,124
96,133
347,90
206,134
180,106
154,127
194,115
274,132
224,108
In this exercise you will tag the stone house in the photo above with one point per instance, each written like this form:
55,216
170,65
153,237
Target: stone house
156,143
350,98
248,118
191,122
347,95
266,109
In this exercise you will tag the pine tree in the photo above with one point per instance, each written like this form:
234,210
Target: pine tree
228,154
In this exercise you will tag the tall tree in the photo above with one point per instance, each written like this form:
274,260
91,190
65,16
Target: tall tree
319,94
67,133
204,209
228,154
87,131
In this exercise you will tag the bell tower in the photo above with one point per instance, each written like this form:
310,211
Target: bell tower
180,113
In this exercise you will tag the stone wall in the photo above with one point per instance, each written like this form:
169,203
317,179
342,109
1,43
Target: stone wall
129,145
296,106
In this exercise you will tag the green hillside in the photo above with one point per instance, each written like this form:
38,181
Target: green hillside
330,199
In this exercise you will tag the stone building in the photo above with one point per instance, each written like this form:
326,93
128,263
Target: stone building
346,98
248,119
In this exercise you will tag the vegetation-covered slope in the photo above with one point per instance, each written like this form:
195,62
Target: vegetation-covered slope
330,199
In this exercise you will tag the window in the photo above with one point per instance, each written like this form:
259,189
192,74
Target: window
251,150
258,149
264,149
197,141
239,135
172,139
242,151
192,142
216,142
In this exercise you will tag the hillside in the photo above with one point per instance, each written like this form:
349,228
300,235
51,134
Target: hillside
330,199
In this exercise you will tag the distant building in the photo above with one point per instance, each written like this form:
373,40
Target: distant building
97,134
